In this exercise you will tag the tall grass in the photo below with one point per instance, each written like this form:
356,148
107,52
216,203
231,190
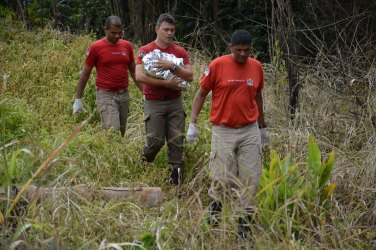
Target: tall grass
43,68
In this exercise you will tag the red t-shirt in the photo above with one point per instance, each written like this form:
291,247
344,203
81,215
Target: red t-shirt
234,87
111,62
173,49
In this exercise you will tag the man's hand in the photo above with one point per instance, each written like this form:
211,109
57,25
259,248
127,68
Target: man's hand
192,134
174,83
265,137
164,64
78,106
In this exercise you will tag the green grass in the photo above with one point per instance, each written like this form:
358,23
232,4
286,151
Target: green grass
36,106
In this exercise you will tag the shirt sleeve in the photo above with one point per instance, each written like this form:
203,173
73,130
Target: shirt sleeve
91,56
185,57
141,53
208,77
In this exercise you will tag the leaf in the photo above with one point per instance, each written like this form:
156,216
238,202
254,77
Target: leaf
328,191
286,163
19,231
148,240
328,165
314,156
11,170
1,218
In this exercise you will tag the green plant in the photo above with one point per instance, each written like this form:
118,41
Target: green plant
13,118
288,193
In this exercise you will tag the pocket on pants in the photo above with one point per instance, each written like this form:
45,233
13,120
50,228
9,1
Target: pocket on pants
146,117
212,158
102,107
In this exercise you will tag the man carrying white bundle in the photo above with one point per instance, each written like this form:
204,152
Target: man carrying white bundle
164,114
239,130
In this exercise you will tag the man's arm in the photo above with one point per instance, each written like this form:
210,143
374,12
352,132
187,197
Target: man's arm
184,73
84,77
260,105
170,83
197,104
132,72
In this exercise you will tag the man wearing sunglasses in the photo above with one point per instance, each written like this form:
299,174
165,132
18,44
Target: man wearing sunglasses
113,59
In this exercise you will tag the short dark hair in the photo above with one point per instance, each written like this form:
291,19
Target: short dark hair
241,37
165,17
113,21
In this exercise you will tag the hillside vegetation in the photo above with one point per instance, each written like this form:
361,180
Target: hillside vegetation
318,188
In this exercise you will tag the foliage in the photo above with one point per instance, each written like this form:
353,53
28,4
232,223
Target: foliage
289,194
14,114
43,67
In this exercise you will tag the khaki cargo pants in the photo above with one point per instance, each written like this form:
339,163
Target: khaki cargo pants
235,164
113,109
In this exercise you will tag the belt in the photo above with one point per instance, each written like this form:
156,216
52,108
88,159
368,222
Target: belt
117,91
234,126
161,97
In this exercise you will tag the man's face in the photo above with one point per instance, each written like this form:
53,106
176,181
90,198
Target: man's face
240,53
165,32
113,34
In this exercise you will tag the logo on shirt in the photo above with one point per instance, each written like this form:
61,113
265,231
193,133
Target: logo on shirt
206,71
123,53
141,53
235,80
250,82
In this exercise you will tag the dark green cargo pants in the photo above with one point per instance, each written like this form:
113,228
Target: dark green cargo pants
164,122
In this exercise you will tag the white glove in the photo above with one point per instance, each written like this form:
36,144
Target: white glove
78,106
265,137
192,134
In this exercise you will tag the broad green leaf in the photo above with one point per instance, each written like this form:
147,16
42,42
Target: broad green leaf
12,167
1,218
11,171
328,191
286,163
325,176
314,156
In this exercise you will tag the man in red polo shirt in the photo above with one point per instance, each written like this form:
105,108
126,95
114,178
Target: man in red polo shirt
238,131
163,111
113,57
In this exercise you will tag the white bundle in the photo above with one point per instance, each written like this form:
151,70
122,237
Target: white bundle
153,57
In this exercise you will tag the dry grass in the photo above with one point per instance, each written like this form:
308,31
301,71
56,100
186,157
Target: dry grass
43,70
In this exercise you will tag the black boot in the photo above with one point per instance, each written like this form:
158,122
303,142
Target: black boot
176,175
244,227
215,208
244,231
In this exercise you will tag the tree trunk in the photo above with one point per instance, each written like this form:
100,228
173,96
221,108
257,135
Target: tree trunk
286,33
20,12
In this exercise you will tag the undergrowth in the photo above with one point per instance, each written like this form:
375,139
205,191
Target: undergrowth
297,209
